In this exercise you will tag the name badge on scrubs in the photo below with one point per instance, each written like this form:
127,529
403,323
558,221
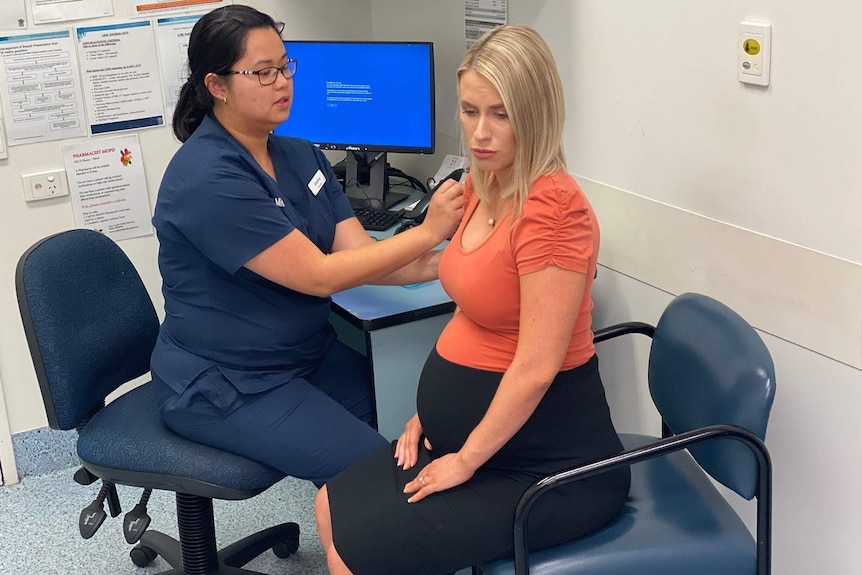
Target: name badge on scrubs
317,182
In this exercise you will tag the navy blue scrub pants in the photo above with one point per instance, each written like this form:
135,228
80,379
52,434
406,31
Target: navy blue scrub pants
309,428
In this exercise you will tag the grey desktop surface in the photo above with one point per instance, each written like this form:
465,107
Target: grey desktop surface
371,307
375,307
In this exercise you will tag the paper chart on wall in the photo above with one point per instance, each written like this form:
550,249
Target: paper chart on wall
173,34
60,10
13,15
42,98
481,16
120,72
108,187
149,8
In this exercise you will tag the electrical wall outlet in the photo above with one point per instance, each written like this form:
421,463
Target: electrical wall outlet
45,185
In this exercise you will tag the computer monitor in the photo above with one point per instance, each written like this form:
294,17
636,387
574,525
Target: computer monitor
366,98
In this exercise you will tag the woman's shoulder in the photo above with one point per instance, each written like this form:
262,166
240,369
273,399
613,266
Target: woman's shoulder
557,181
558,190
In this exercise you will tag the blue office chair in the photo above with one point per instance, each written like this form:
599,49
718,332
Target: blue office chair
713,382
91,327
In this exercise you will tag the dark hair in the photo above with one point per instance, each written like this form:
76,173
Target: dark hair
217,41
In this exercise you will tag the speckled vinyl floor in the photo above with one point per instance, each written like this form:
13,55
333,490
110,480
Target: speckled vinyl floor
39,528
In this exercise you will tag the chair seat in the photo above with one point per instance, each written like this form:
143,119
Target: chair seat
674,523
127,443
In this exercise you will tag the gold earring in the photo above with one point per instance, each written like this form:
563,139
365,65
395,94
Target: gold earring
224,99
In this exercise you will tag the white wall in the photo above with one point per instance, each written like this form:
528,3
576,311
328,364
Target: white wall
675,153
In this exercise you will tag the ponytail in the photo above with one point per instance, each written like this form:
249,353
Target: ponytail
192,106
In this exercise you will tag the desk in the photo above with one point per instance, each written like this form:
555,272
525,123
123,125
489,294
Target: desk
395,328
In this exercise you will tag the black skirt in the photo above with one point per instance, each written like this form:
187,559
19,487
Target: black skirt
377,532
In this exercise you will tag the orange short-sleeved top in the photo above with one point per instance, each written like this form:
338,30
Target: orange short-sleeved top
557,227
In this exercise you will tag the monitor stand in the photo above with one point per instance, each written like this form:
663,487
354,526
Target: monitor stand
366,182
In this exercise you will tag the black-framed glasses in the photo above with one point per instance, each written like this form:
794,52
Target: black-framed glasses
268,76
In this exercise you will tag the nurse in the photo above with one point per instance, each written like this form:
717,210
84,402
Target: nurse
255,234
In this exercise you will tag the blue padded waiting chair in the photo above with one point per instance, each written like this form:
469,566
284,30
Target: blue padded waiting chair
713,382
91,327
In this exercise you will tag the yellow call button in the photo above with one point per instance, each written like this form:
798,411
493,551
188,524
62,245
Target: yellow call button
751,47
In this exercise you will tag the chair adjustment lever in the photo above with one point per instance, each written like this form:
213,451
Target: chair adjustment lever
93,515
136,521
84,477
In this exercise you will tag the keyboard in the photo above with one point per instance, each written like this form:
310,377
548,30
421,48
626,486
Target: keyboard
375,219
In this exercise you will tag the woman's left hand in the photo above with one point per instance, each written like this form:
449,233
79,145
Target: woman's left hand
439,475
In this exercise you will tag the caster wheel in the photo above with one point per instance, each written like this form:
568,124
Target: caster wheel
288,546
142,556
285,549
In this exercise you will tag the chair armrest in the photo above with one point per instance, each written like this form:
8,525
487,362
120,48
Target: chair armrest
658,448
619,329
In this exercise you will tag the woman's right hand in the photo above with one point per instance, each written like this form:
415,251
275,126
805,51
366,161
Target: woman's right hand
446,209
407,448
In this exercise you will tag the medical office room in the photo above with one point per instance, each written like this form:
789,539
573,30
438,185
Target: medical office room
703,179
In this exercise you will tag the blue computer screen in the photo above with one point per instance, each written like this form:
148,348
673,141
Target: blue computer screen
375,96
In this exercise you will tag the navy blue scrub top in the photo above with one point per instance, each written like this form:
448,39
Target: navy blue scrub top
216,209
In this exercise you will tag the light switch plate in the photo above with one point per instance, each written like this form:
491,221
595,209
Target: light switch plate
754,52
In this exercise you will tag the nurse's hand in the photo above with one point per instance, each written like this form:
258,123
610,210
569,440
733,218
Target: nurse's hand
446,209
407,448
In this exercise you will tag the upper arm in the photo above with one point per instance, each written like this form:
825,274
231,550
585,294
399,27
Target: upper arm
228,218
550,301
555,244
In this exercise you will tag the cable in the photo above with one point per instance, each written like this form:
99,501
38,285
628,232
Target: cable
415,183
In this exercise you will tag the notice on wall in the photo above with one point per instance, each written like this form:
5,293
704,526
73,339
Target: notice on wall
59,10
147,8
42,97
13,15
481,16
108,187
120,72
173,34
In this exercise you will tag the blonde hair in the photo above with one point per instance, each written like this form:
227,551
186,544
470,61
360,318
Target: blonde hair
520,65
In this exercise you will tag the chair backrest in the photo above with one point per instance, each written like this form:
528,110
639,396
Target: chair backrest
708,366
90,323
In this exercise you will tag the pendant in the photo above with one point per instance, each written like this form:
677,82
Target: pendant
491,222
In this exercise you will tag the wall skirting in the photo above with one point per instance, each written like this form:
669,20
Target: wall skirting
44,450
